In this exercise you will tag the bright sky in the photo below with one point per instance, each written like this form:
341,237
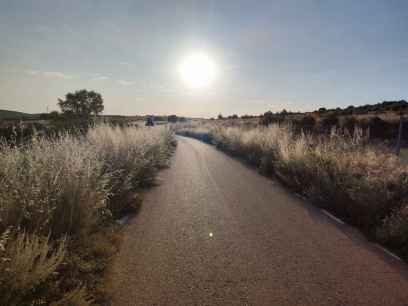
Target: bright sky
269,55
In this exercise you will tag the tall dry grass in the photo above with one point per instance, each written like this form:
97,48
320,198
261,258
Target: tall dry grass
57,192
365,184
131,159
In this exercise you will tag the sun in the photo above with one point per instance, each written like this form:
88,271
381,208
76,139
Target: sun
198,70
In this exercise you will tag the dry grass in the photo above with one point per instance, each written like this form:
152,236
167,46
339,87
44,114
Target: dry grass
55,194
131,159
366,185
26,263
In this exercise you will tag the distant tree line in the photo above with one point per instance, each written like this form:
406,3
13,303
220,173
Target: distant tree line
169,118
346,119
385,106
382,107
234,116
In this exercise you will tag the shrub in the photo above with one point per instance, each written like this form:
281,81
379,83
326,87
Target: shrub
266,119
349,123
76,297
51,186
56,193
382,129
26,263
329,121
201,134
394,230
131,158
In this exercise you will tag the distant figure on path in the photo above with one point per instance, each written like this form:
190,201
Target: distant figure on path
149,121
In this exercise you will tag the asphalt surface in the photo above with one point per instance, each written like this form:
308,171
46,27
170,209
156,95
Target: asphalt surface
215,232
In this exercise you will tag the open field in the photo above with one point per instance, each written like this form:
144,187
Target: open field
59,198
363,183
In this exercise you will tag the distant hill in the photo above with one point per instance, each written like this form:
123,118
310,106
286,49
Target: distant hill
7,114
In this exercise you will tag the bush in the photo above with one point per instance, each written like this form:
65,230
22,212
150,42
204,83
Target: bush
349,123
267,118
394,230
306,124
51,186
199,134
26,263
382,129
57,192
131,159
328,122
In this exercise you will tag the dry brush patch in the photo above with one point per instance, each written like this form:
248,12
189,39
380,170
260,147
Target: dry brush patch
58,201
365,184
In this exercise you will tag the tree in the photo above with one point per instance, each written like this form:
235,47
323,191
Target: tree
327,122
172,118
267,118
54,115
82,103
220,116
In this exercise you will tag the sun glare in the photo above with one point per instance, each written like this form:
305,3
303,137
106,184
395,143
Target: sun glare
198,70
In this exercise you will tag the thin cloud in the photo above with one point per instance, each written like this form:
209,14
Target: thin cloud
50,74
100,78
57,74
125,83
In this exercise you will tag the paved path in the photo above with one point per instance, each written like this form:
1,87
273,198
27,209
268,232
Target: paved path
215,232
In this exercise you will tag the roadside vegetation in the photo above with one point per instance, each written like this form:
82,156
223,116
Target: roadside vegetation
365,184
382,120
59,199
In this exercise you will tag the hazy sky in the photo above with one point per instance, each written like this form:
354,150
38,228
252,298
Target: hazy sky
297,55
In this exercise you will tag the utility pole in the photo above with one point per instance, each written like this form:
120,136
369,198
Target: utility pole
398,147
